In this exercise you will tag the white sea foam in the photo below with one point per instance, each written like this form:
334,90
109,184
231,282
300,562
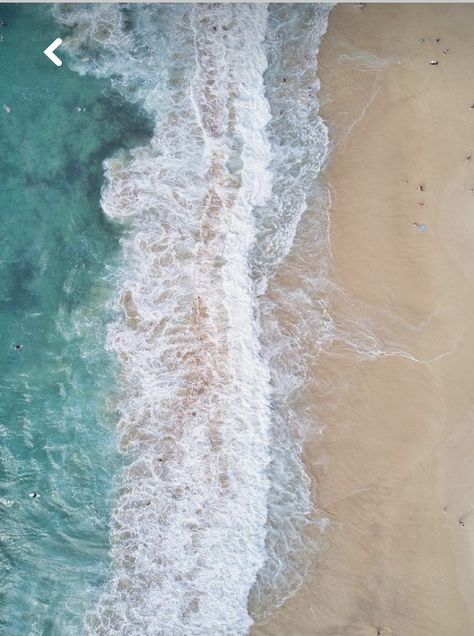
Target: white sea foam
215,498
299,135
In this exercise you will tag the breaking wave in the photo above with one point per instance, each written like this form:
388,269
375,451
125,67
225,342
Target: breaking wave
208,533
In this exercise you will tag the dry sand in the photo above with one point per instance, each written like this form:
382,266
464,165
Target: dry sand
394,470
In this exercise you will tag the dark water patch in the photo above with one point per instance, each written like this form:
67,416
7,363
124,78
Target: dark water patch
17,296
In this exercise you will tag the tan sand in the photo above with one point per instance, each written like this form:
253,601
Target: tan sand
394,470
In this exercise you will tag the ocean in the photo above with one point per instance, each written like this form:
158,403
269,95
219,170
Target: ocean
154,187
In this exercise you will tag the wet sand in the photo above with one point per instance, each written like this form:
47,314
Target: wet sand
394,469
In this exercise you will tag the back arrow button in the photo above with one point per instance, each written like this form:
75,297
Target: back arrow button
49,52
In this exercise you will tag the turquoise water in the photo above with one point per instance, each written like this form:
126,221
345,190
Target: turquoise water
56,252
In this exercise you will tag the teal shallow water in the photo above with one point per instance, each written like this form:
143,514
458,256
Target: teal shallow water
56,436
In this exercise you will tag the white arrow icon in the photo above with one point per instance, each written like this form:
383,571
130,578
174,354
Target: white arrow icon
49,52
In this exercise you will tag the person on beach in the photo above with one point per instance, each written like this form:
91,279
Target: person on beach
421,227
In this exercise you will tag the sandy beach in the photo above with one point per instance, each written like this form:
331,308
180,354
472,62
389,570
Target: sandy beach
393,469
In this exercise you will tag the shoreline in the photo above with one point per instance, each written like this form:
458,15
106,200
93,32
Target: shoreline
392,469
